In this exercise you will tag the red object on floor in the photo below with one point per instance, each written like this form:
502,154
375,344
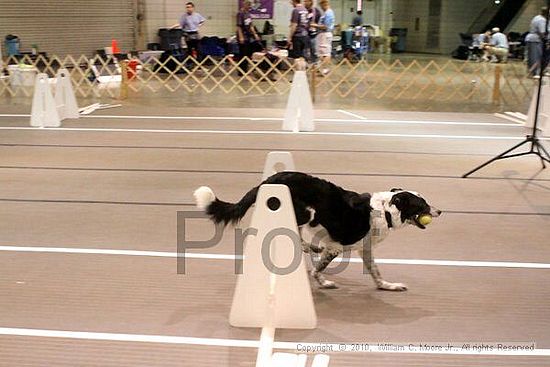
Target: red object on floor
114,46
132,69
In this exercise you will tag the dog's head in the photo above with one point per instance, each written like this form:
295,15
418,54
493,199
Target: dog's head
412,206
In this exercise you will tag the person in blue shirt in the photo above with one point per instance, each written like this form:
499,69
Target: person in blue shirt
535,40
190,22
357,20
324,38
498,48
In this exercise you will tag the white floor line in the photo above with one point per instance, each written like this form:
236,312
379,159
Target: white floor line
267,132
510,118
243,343
519,116
352,114
233,118
215,118
417,122
192,255
91,251
130,337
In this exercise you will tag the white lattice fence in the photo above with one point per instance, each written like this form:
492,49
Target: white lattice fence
428,81
421,81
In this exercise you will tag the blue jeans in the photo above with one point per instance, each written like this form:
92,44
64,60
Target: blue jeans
313,49
534,57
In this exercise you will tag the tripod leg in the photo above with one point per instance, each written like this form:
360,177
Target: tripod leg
500,156
540,156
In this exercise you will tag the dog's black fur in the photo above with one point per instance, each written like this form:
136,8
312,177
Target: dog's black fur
344,214
340,211
347,216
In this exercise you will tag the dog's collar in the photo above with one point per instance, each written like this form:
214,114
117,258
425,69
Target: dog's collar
388,219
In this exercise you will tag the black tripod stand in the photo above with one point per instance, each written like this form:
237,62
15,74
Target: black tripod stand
535,147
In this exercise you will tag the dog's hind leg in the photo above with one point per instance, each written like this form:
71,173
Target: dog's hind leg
321,264
369,265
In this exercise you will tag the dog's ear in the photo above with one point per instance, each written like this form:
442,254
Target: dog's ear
395,190
399,200
395,200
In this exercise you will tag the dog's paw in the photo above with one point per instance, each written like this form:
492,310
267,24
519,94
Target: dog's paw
328,284
323,283
387,286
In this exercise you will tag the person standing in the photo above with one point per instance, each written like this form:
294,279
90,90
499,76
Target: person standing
324,38
535,41
190,22
298,38
314,15
246,34
357,20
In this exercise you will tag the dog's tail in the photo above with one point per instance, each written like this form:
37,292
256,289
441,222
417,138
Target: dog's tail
221,211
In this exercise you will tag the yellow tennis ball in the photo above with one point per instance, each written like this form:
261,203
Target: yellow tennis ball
425,219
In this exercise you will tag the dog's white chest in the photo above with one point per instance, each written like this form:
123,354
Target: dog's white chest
378,226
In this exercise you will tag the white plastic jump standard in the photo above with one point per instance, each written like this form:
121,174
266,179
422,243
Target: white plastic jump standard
267,296
278,162
299,108
321,360
288,360
65,99
44,112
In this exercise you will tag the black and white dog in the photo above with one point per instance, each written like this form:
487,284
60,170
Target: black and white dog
351,220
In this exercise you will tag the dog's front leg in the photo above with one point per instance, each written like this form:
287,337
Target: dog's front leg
370,266
326,257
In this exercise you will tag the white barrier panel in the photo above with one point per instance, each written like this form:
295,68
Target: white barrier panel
544,110
278,162
65,99
288,360
44,112
321,360
299,108
277,295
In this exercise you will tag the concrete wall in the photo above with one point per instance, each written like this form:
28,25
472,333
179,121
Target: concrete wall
403,15
456,16
221,15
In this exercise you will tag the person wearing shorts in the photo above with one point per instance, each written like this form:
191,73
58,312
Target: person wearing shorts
324,38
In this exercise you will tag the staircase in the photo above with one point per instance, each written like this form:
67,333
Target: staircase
497,16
